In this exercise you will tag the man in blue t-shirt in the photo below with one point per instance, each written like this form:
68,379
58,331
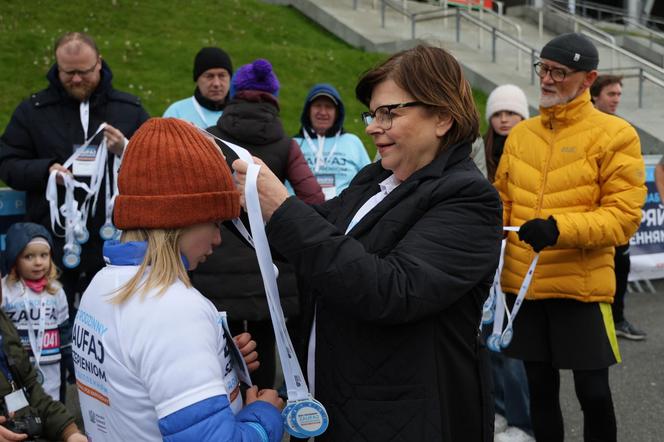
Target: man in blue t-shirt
212,73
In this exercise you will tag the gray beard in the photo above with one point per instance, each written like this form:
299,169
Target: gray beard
547,102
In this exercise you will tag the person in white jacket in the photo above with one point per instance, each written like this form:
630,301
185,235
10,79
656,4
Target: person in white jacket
154,359
35,301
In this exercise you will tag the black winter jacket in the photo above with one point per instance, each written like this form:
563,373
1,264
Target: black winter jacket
398,301
230,277
43,131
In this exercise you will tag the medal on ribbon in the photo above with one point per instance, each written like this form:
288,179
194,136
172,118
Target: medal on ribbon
107,232
304,417
308,418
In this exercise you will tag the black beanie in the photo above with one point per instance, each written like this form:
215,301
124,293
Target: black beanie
573,50
211,58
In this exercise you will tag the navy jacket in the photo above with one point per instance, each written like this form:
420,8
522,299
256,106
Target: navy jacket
43,131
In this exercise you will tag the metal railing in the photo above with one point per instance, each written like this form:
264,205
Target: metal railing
444,13
652,34
496,35
643,74
614,13
655,76
577,23
584,7
459,14
415,17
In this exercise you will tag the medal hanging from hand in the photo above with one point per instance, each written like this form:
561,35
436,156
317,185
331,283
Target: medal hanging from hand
75,225
304,416
108,230
495,306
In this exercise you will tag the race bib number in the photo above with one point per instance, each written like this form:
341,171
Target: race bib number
84,165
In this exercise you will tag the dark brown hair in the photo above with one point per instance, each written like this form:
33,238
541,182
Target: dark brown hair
434,77
76,36
603,81
491,165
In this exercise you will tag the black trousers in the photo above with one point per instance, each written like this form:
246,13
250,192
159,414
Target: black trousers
594,395
622,265
263,334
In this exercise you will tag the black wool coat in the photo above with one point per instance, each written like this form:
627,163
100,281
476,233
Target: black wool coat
398,301
43,130
230,277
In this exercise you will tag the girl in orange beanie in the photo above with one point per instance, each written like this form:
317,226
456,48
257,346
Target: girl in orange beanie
154,359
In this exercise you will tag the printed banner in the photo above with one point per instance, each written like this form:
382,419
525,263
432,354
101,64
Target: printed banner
647,245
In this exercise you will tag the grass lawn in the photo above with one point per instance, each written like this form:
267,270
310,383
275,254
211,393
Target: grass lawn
150,46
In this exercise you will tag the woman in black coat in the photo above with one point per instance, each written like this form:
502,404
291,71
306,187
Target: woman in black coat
396,268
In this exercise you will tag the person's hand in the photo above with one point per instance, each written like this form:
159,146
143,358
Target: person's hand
539,233
115,140
271,191
59,168
77,437
247,347
267,395
8,436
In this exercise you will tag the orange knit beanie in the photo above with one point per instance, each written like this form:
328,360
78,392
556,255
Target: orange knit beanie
172,176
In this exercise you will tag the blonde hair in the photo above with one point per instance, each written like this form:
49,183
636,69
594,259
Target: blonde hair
162,255
52,284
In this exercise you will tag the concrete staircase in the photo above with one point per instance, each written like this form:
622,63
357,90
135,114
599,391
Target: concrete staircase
362,28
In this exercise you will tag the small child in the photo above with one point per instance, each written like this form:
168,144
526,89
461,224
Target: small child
35,301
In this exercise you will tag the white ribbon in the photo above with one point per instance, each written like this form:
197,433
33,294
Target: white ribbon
36,342
200,113
318,153
110,195
84,112
75,217
52,188
296,386
499,337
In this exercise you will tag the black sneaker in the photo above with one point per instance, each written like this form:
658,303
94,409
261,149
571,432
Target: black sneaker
626,330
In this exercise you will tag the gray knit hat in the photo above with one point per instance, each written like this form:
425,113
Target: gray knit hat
573,50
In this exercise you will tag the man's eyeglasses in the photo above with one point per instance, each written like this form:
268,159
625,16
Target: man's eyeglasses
557,74
383,114
82,73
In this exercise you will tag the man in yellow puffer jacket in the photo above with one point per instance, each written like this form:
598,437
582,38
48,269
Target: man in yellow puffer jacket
573,179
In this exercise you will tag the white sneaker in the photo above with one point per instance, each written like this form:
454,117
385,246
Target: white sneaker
499,424
513,434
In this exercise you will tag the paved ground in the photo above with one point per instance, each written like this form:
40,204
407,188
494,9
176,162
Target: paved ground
637,383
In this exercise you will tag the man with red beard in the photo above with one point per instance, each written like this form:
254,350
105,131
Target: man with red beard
46,128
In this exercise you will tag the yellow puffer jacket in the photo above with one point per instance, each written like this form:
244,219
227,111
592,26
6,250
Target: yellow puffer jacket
584,168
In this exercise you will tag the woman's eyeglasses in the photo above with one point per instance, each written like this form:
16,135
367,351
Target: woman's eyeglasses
383,114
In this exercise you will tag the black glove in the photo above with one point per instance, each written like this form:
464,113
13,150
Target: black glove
539,233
